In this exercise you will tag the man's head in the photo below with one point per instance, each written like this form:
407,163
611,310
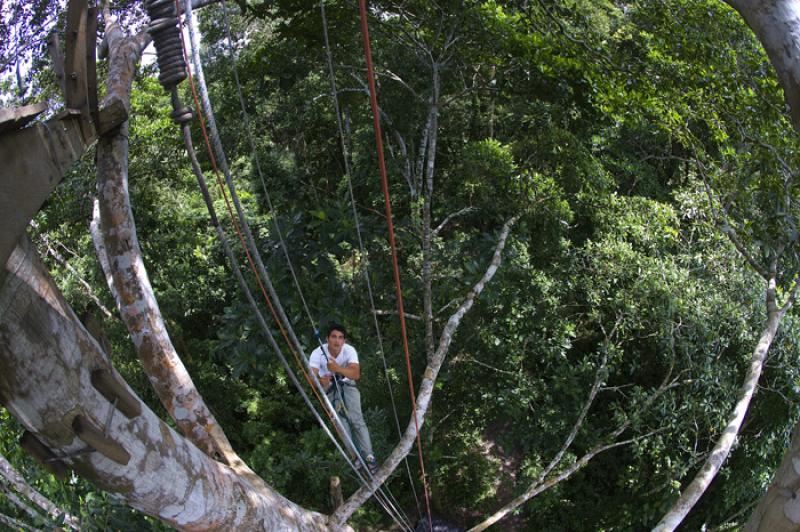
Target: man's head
337,334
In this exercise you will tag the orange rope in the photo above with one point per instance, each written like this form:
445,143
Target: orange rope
395,268
237,228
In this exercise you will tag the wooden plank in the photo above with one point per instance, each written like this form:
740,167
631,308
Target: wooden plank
35,160
111,117
12,118
75,61
75,66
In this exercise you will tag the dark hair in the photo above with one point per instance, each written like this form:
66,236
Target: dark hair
336,327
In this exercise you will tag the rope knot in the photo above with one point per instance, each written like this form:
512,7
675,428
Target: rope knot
182,115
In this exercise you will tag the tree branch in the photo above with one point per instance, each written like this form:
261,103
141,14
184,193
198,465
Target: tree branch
10,475
53,252
540,484
429,379
132,289
15,524
725,227
409,316
450,216
673,518
19,503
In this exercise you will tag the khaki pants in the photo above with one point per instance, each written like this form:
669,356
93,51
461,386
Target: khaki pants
352,418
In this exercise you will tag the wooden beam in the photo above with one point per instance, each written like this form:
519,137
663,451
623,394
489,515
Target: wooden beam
91,64
33,161
75,67
111,117
57,58
12,118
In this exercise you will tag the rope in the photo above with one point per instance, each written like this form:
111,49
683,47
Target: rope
249,296
388,506
348,173
257,160
392,243
272,209
267,196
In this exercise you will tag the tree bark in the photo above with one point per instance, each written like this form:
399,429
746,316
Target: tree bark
47,360
723,446
776,23
131,285
779,509
427,233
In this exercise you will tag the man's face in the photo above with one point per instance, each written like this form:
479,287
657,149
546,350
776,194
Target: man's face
335,342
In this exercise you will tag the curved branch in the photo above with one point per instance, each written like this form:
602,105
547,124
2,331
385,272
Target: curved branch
54,396
429,379
131,284
722,448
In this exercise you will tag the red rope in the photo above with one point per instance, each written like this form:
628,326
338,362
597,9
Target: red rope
392,243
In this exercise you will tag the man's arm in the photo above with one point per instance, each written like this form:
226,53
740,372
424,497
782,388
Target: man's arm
351,371
324,381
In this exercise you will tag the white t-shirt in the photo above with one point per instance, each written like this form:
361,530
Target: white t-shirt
347,355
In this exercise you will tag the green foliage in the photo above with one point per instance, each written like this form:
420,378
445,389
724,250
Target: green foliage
627,136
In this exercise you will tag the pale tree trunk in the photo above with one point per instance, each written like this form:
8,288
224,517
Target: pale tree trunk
48,362
429,379
776,23
427,236
779,508
121,254
14,479
692,493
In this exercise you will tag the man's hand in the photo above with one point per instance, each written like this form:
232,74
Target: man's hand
351,371
333,366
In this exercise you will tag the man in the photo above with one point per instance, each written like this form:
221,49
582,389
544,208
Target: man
338,361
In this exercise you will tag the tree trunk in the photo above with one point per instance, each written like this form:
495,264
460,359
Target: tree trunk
776,23
47,362
779,509
131,285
